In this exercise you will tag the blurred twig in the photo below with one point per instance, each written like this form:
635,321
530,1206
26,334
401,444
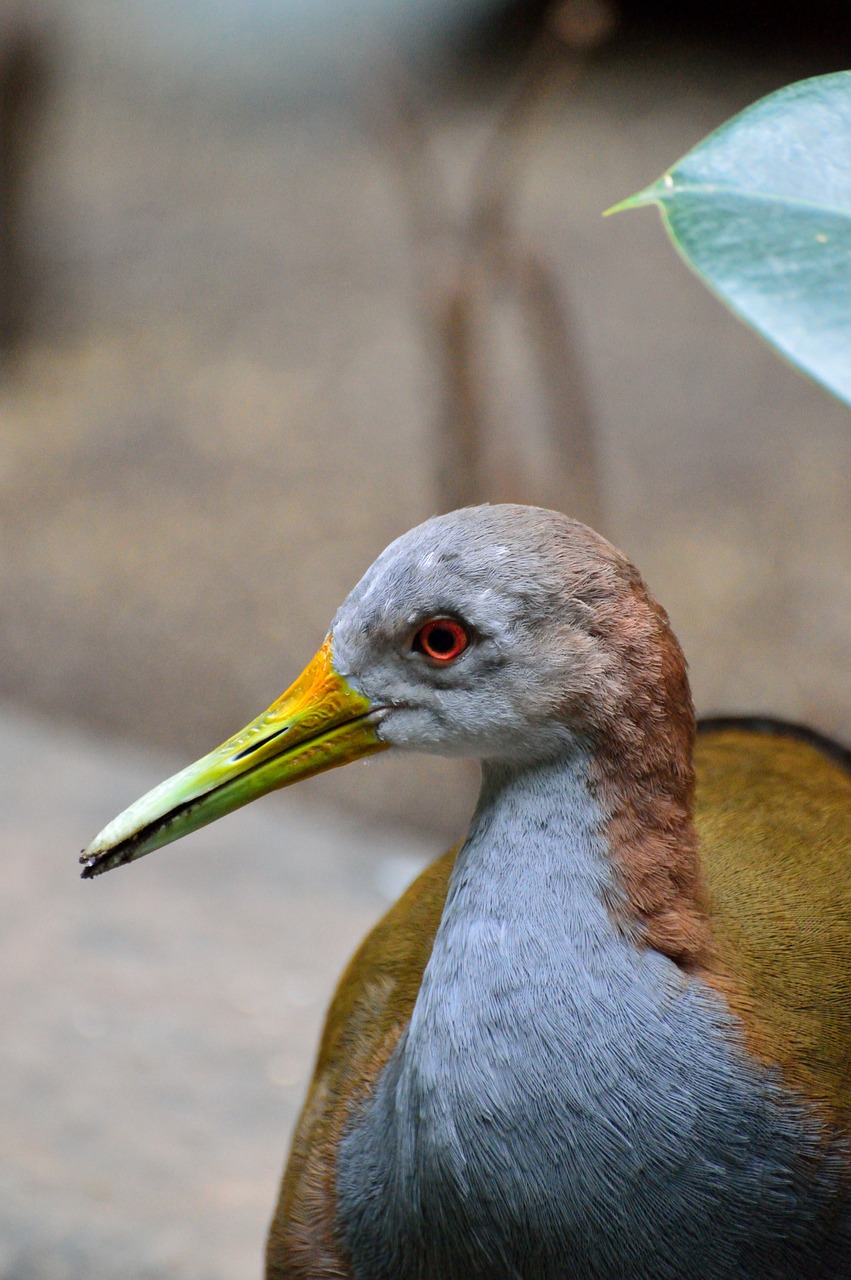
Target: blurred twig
464,263
25,71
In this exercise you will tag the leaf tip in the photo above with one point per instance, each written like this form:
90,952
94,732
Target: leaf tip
654,194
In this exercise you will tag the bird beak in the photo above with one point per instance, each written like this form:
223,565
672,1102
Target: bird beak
319,723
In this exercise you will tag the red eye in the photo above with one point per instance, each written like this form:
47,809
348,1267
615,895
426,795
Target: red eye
441,639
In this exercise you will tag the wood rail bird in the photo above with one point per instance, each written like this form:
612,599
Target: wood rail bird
610,1034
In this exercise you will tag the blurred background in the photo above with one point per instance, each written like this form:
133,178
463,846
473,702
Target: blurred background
278,280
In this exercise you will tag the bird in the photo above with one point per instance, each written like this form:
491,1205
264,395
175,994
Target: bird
608,1035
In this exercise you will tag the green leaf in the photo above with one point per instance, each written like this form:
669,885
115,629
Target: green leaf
761,209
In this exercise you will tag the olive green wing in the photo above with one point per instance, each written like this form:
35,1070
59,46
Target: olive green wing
773,811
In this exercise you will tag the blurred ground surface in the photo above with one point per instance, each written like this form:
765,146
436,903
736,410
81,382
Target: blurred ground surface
158,1031
229,411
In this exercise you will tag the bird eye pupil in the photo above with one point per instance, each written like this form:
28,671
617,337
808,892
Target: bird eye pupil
442,640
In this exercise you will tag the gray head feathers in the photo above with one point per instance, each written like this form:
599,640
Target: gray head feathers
565,640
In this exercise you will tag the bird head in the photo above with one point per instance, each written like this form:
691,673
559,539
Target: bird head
505,633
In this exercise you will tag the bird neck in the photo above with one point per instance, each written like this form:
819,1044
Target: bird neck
536,853
537,902
642,780
619,820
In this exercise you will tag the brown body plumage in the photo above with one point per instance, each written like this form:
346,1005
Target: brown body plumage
773,817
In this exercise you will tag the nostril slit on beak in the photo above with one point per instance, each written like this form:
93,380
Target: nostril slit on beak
255,746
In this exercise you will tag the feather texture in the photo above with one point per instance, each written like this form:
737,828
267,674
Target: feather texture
772,815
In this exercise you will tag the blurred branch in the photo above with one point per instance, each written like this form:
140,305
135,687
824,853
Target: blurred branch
462,425
571,30
25,73
463,262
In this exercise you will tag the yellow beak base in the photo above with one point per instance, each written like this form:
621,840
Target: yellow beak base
319,723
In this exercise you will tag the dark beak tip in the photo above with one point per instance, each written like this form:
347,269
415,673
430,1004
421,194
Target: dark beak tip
94,865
